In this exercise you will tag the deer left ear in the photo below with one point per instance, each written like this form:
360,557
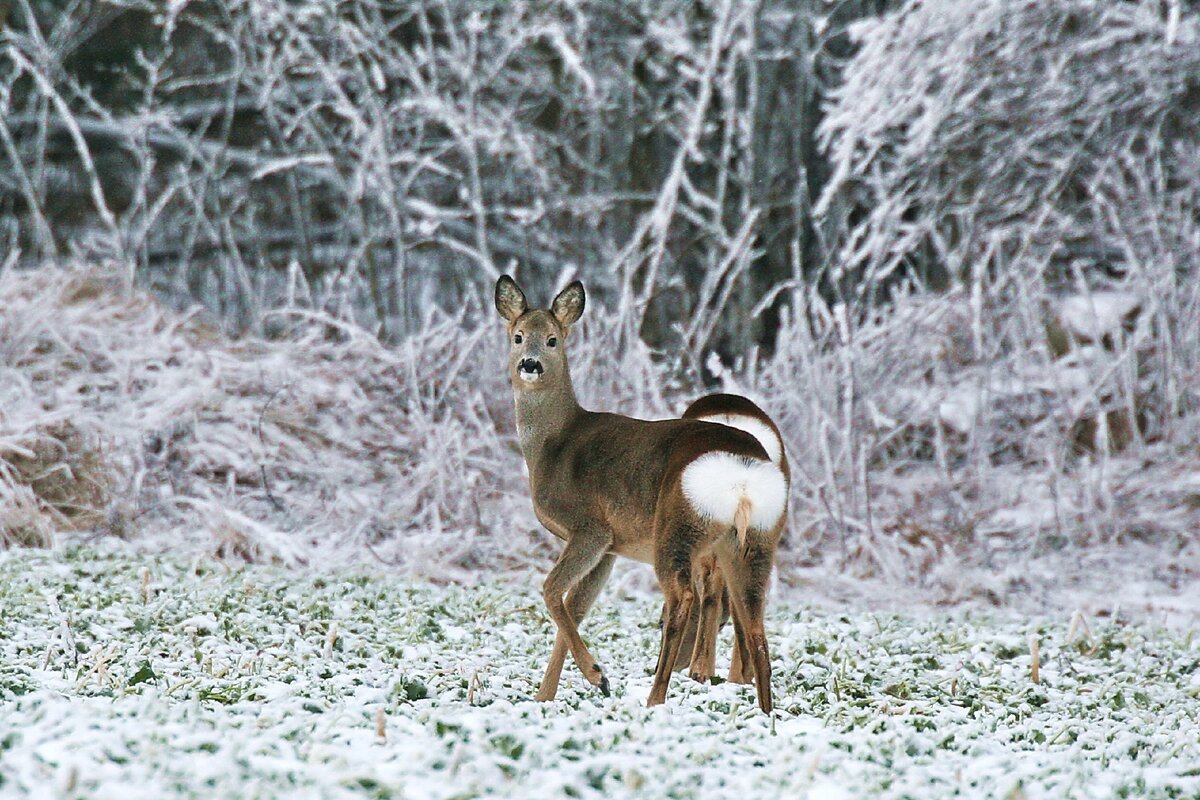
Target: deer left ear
567,308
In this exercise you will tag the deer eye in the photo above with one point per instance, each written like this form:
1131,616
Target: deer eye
517,339
552,341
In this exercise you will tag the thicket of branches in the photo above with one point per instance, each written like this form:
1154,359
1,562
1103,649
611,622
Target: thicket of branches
396,155
952,246
1015,338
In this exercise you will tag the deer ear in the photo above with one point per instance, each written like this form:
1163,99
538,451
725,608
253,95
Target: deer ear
510,300
567,308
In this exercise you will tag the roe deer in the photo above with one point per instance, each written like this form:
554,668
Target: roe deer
736,412
669,492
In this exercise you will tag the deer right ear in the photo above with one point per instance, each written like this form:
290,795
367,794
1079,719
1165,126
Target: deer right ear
510,300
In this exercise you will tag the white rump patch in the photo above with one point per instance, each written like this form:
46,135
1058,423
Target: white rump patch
716,482
755,427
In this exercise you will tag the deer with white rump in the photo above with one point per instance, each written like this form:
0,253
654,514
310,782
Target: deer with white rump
672,493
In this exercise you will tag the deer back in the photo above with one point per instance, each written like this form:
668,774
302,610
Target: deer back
613,470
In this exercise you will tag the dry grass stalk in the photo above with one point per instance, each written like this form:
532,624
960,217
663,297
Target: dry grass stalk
1034,659
330,639
381,724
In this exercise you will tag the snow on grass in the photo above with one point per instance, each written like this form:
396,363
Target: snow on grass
130,676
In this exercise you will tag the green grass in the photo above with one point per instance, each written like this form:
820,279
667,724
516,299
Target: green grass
156,677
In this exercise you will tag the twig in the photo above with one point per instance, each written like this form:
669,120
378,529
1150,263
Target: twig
278,506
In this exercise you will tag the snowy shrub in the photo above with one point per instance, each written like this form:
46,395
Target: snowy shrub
1012,134
1031,169
389,156
125,417
982,340
317,444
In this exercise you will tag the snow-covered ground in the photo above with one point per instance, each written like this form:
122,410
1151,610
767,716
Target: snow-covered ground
131,676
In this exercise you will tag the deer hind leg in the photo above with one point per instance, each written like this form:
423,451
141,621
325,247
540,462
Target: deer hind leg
747,573
579,601
680,596
581,556
710,587
688,642
740,669
673,564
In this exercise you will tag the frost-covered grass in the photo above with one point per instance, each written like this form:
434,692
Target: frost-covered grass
129,676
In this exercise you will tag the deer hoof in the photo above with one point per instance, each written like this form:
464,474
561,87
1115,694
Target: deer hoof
604,690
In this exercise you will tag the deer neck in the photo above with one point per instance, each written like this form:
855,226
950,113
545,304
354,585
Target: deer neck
543,416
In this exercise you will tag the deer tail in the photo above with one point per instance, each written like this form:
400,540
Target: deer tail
741,521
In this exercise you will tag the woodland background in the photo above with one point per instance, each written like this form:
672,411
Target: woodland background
951,246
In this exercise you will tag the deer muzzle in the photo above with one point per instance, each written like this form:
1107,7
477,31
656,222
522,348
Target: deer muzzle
530,369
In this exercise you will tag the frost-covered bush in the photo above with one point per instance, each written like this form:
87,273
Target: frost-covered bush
1060,135
985,343
1010,358
123,417
390,156
1025,153
313,446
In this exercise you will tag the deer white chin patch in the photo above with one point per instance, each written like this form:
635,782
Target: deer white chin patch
716,482
529,377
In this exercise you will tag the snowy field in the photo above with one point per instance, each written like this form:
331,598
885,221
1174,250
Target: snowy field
150,677
265,523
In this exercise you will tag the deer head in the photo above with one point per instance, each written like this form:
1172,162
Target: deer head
537,358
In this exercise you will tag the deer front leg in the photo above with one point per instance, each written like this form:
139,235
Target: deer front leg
581,556
579,601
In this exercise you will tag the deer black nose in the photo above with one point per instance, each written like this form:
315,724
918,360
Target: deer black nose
531,365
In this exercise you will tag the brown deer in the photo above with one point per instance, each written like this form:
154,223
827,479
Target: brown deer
670,493
736,412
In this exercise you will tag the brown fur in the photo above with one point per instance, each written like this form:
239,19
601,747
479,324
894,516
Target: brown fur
608,484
